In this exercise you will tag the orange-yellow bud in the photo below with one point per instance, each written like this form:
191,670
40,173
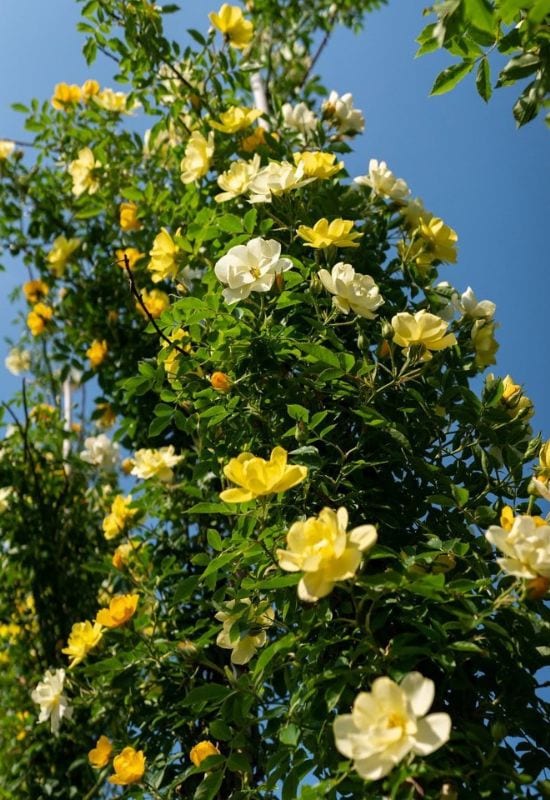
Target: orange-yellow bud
220,382
203,750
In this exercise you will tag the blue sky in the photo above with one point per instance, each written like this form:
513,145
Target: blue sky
466,159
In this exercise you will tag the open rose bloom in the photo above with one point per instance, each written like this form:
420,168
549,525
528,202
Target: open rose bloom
388,723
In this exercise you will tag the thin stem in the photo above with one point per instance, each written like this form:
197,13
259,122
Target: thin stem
137,294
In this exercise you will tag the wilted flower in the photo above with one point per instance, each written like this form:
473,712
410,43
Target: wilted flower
243,643
35,290
164,257
318,165
151,463
155,301
97,352
299,117
6,148
236,180
132,254
250,267
119,517
38,318
337,233
129,767
60,254
128,217
351,290
341,113
100,756
485,344
383,182
258,477
18,361
324,551
388,723
235,119
198,155
468,305
276,179
65,95
230,21
100,451
526,547
121,609
201,751
84,637
422,328
122,554
82,171
49,696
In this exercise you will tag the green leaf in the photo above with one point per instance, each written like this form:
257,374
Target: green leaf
249,220
290,735
211,508
527,106
483,80
213,692
461,495
480,15
317,352
198,37
216,564
297,412
451,77
214,540
287,642
158,425
209,787
518,68
230,223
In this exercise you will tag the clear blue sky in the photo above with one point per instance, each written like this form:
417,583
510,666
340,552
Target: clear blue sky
464,158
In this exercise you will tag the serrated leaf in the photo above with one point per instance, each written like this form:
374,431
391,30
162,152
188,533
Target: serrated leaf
483,80
451,77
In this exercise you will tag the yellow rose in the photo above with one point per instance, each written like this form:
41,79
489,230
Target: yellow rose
258,477
201,751
121,609
6,148
423,329
434,241
119,517
89,89
82,171
198,155
151,463
65,96
97,352
128,217
38,318
324,234
230,21
122,555
129,767
60,254
544,459
164,257
318,165
84,637
101,754
155,302
324,551
235,119
112,101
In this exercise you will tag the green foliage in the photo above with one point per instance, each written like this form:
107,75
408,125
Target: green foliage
473,29
396,437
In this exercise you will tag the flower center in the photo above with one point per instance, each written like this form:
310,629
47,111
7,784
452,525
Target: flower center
255,272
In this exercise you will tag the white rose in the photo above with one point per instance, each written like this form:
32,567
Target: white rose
352,291
250,268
